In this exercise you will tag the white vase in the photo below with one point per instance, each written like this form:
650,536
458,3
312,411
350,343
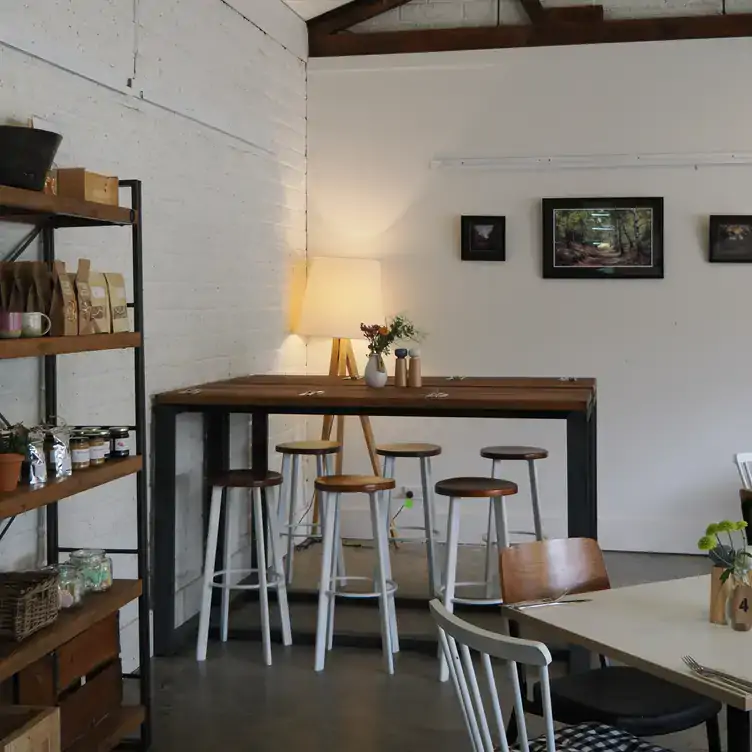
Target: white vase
375,374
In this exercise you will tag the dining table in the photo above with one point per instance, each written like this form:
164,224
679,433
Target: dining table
653,627
572,399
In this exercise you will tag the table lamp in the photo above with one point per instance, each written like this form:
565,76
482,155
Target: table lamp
340,294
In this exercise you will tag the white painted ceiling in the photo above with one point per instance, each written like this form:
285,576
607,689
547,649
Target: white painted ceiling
310,8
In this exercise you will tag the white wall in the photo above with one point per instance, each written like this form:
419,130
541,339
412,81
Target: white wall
670,356
215,127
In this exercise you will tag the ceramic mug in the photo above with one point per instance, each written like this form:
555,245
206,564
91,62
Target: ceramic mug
10,325
32,326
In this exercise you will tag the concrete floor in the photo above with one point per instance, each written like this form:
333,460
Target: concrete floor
234,702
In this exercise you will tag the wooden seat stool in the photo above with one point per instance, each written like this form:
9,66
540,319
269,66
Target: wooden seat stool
332,488
273,577
497,454
458,490
423,453
292,452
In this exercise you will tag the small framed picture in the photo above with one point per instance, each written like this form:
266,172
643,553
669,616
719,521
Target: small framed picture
484,238
603,238
731,239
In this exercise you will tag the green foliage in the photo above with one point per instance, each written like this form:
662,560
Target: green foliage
734,560
726,526
14,440
706,543
381,338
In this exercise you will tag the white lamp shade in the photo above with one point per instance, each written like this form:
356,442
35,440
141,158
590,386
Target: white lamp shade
341,293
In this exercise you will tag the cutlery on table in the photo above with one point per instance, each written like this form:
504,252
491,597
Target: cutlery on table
714,674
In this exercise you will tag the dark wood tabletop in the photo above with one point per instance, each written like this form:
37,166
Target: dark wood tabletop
437,394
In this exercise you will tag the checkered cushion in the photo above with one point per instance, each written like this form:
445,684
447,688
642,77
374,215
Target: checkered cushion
594,737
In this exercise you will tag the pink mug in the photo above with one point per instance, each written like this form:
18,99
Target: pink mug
11,324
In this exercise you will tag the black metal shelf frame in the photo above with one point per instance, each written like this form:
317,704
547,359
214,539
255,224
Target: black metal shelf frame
48,226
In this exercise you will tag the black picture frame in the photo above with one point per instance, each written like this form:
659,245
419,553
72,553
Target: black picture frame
484,238
569,250
730,239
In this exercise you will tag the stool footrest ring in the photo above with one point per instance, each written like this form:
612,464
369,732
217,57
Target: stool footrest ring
391,587
471,601
273,579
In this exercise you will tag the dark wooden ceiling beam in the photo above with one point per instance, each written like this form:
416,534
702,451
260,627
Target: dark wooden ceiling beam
547,35
354,12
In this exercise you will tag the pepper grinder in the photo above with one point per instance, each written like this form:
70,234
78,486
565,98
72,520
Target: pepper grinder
414,377
400,368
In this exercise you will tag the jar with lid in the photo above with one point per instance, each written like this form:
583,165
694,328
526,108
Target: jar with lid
120,444
70,586
95,567
80,451
99,445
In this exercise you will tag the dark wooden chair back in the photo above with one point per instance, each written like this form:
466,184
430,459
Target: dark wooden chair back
548,568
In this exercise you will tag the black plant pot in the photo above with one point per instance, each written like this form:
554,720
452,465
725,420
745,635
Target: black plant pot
26,154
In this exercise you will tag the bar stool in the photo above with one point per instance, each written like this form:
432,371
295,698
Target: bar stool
267,578
332,487
291,452
458,489
496,454
423,452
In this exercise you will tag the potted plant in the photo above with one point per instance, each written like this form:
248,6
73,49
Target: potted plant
731,564
380,340
12,455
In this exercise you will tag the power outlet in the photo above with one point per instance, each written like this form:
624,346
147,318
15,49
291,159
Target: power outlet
405,492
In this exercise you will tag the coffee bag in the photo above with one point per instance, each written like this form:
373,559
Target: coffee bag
100,303
63,309
118,302
83,297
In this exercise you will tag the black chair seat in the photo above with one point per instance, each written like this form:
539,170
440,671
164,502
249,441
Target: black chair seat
629,699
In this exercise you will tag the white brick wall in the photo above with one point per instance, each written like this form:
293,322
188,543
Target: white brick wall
218,138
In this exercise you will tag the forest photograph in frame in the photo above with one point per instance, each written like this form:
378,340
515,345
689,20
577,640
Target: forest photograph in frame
596,238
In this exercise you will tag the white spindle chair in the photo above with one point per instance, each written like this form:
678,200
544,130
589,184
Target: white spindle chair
457,638
743,463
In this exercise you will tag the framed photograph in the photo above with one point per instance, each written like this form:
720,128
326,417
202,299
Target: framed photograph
484,238
597,238
731,239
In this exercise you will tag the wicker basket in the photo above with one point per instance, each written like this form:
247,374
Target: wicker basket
29,601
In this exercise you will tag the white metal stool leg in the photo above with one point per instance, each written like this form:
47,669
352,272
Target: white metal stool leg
388,472
386,507
275,553
429,518
258,522
333,578
532,470
324,467
494,525
227,576
382,546
327,519
209,561
450,571
284,496
291,517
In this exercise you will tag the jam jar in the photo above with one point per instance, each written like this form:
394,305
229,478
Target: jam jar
120,443
70,586
80,451
95,567
99,445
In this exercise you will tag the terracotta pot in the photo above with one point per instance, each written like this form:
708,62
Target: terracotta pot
10,471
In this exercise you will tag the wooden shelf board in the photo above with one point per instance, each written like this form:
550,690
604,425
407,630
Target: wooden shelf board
108,733
14,656
27,497
16,203
35,347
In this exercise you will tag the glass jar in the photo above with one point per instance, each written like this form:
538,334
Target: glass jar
95,567
80,451
99,445
120,442
70,586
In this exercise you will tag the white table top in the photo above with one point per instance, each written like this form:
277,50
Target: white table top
651,627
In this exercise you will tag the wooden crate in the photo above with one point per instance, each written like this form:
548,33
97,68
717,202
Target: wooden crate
76,182
26,729
83,677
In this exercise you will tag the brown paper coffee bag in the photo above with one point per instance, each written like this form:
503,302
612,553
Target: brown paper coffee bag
100,303
7,284
27,295
118,302
83,297
63,310
42,286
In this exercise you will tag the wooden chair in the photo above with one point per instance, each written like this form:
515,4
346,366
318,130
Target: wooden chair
619,696
743,462
457,638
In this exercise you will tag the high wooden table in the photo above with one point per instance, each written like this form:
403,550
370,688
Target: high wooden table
651,627
573,400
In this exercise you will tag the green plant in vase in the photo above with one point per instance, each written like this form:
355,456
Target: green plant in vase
381,338
734,559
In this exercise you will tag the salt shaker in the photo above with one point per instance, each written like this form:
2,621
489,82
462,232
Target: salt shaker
413,372
400,368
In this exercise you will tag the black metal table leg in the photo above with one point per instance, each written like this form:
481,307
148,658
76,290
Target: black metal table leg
260,441
738,730
163,504
582,512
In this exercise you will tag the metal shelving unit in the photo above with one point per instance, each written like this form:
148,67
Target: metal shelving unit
48,214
